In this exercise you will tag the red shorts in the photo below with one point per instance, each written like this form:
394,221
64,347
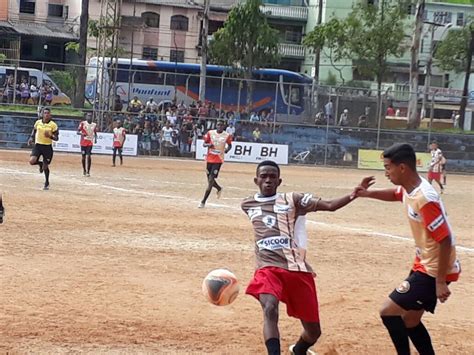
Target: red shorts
434,176
296,289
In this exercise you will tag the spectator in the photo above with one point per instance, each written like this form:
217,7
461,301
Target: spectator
135,105
320,118
24,91
230,129
48,95
118,105
151,106
344,119
329,111
166,139
390,111
34,94
254,117
171,116
362,121
146,138
256,135
457,117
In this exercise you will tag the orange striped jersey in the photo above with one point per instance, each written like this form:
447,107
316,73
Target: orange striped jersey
119,136
279,225
215,154
88,131
436,160
429,226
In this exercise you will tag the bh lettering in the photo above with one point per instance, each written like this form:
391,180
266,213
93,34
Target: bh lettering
269,152
242,150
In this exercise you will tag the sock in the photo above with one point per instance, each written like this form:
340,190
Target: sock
301,347
46,175
420,337
84,163
206,196
273,346
89,163
398,332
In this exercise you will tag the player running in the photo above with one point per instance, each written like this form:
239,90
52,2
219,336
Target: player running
2,209
120,135
282,274
436,165
45,131
88,132
435,261
218,142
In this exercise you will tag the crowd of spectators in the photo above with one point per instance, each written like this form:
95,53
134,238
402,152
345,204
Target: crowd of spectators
170,129
27,93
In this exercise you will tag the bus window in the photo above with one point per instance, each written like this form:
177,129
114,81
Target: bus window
295,95
3,78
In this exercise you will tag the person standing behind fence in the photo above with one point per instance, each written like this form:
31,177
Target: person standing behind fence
435,169
218,142
88,132
329,111
344,119
120,135
45,131
24,91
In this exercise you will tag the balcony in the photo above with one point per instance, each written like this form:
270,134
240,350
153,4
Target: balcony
297,13
288,50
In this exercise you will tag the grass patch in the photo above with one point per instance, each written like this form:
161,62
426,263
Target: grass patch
55,110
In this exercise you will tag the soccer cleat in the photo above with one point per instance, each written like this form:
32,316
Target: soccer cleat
46,187
309,352
88,175
219,193
84,173
201,205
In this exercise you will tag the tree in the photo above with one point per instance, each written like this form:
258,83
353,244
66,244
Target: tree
82,51
455,53
246,42
367,36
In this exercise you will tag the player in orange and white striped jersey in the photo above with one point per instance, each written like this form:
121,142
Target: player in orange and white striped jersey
88,132
436,165
435,263
120,135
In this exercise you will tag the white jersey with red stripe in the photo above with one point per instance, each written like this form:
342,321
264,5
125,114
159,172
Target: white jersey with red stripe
429,226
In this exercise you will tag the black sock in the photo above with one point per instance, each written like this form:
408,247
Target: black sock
301,347
84,163
89,163
398,332
206,196
420,337
46,175
273,346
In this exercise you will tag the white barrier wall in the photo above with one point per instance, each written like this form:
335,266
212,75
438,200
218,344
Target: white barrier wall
248,152
69,141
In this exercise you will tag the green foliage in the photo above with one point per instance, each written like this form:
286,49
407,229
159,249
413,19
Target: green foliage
65,80
72,47
2,57
246,41
452,51
367,36
331,79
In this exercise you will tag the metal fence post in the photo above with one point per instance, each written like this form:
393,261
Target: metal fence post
275,112
431,116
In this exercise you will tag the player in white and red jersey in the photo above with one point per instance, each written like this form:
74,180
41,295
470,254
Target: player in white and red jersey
283,274
120,135
436,165
435,263
218,142
88,132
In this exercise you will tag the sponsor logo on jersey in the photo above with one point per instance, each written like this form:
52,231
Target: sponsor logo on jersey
274,243
277,208
254,212
269,221
436,223
306,199
413,215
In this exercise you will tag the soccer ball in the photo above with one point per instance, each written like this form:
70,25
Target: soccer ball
220,287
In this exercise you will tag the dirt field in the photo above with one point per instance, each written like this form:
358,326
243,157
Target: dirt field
114,263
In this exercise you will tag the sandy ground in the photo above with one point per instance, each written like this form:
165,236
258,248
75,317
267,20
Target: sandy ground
114,263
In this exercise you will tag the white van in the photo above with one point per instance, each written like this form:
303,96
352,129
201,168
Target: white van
35,79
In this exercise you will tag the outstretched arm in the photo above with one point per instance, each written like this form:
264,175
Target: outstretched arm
384,194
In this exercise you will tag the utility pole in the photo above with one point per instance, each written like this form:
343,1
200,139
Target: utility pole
82,54
204,34
317,54
132,44
414,66
470,53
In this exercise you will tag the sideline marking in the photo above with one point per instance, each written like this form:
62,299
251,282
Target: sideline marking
218,205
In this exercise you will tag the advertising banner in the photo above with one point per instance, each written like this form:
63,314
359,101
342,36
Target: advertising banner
69,141
249,152
373,159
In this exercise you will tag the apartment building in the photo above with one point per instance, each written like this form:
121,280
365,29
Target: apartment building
38,30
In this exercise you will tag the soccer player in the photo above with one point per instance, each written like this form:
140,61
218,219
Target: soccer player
435,263
282,274
436,167
120,135
218,142
88,132
44,132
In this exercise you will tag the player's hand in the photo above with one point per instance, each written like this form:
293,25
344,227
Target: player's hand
47,134
442,291
30,141
367,182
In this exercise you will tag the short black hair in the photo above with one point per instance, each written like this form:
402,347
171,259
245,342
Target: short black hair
220,122
401,153
268,163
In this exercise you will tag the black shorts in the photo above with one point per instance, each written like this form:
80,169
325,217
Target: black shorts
213,169
417,292
45,150
86,150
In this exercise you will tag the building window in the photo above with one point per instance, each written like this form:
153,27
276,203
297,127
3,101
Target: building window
150,53
27,6
55,10
54,50
179,22
460,19
151,19
442,17
176,56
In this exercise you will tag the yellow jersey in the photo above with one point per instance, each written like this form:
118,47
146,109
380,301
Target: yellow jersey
41,128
